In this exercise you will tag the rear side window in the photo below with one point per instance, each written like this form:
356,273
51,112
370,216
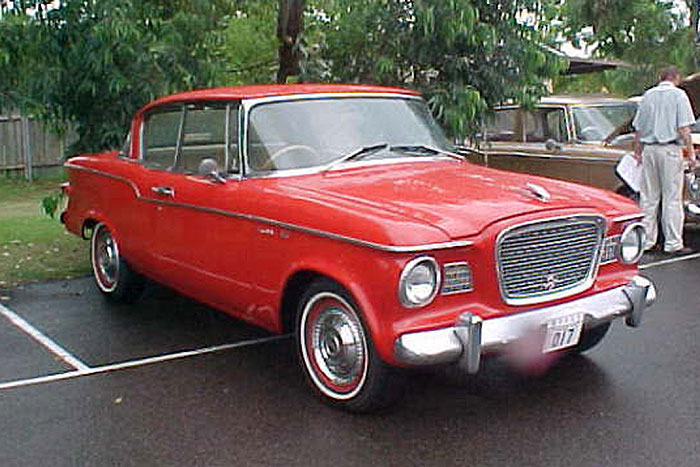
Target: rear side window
160,138
501,125
544,124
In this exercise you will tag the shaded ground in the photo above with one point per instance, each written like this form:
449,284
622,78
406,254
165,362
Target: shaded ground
632,401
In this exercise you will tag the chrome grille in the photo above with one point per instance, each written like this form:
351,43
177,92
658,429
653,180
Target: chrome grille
548,259
457,278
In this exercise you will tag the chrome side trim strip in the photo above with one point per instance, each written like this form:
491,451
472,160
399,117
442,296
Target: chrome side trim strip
105,174
492,152
285,225
628,217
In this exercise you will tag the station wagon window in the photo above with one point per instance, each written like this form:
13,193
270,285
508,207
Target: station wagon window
501,126
203,137
544,124
597,122
160,138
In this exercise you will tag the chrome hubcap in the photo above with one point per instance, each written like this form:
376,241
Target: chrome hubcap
337,343
106,258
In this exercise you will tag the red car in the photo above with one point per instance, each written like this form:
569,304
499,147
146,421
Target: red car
340,214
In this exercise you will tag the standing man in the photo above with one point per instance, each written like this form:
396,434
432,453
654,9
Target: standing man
662,140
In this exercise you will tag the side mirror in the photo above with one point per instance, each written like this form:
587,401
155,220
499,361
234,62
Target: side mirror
209,168
553,145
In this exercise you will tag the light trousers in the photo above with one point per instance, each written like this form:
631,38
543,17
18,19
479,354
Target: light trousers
662,181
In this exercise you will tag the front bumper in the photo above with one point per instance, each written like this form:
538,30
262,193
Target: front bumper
471,336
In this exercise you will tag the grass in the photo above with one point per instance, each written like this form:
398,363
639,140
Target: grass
34,247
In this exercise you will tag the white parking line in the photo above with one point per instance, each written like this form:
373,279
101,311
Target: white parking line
87,371
670,261
42,339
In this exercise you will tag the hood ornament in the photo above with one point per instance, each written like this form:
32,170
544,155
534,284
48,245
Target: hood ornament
538,192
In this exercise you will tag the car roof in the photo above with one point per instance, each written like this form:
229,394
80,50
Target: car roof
272,90
585,99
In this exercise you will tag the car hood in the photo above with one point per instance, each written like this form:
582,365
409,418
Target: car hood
458,198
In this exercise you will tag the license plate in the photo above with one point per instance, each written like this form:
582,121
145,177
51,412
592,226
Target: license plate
563,332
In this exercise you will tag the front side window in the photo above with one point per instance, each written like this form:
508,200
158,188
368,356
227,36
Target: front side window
316,132
203,137
595,123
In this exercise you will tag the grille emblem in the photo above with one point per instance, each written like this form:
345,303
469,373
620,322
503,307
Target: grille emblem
551,282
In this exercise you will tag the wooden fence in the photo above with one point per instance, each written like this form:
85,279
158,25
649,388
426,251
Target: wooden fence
25,145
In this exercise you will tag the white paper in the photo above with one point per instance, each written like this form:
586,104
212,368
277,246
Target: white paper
630,171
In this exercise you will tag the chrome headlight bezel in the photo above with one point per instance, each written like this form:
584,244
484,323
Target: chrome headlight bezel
633,237
411,267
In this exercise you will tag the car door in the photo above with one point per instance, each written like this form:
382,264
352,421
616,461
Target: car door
201,224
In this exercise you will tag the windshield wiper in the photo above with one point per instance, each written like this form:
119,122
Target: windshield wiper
359,154
420,148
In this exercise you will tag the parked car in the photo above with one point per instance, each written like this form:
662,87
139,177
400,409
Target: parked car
340,214
575,138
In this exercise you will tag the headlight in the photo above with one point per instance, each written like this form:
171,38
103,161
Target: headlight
419,283
631,244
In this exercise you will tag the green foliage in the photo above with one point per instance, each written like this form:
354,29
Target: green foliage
646,34
464,55
92,63
51,203
250,43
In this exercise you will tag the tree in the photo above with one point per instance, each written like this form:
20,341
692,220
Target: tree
464,55
290,25
93,63
646,34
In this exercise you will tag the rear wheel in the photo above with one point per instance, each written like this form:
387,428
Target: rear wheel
113,276
336,352
592,337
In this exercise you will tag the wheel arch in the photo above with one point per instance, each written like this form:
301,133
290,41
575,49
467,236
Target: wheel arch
297,283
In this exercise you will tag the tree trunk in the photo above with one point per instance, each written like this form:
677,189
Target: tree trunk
290,24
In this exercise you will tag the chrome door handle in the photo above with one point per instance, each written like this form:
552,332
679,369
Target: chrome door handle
163,191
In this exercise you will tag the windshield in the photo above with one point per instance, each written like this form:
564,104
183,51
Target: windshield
315,132
595,123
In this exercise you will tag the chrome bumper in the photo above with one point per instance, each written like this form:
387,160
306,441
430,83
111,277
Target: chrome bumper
471,336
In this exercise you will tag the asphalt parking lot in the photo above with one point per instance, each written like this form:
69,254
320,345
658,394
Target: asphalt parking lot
170,382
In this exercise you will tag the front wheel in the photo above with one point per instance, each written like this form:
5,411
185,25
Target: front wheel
336,352
113,276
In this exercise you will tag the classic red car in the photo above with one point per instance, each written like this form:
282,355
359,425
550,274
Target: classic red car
340,214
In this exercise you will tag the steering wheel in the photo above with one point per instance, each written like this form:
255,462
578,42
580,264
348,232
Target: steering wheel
309,151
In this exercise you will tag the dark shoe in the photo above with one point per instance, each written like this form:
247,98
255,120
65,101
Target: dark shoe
682,252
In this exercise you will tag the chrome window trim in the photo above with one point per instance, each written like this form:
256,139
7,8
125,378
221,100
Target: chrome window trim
585,285
285,225
227,138
444,275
